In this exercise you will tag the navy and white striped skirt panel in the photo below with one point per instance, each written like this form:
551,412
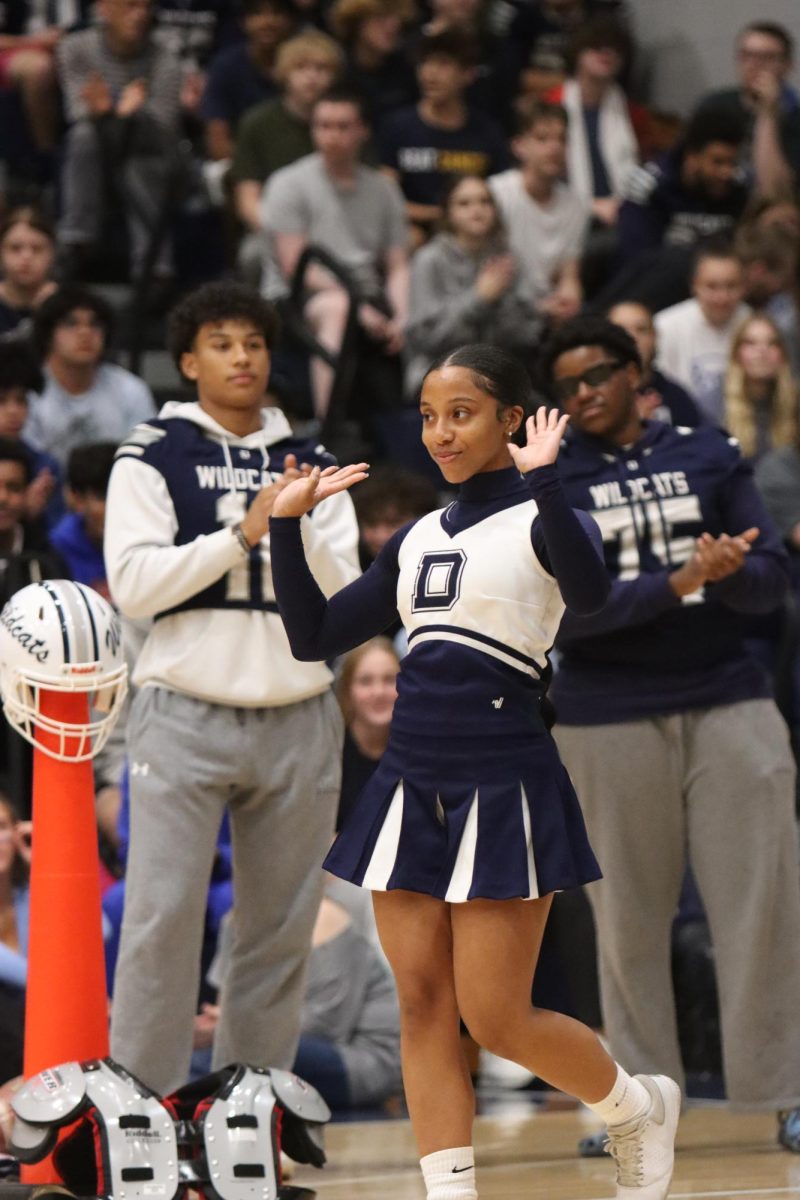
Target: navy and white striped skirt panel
462,820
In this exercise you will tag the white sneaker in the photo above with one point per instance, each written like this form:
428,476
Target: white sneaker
644,1149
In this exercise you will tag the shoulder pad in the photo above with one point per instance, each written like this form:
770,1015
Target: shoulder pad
241,1151
304,1114
298,1097
42,1105
139,1143
140,439
53,1095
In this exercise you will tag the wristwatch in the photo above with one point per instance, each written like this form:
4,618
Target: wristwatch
241,538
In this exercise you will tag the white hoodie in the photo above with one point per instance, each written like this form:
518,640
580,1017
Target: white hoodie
239,657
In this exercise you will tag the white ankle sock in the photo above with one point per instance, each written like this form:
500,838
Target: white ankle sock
450,1174
627,1100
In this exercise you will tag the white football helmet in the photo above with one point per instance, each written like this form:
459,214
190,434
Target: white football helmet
60,636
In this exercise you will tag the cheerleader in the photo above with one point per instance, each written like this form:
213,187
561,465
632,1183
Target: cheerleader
470,823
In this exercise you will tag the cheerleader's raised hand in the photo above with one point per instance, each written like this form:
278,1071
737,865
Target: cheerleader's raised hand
545,431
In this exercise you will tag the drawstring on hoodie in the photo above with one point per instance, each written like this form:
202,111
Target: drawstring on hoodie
663,520
622,476
226,450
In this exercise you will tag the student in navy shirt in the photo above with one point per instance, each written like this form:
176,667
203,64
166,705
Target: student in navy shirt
241,75
469,822
441,136
691,194
668,728
78,537
27,253
20,375
371,33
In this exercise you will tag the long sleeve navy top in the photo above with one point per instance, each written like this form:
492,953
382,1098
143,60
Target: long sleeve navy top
458,654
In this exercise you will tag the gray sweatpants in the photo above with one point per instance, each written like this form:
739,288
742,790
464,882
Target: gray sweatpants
716,785
278,772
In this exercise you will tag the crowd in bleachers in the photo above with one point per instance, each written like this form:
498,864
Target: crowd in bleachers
160,143
396,178
157,144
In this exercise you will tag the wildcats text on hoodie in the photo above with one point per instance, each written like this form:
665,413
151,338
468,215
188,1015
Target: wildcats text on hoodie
649,653
179,483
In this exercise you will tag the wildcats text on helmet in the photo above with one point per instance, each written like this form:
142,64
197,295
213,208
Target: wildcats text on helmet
13,620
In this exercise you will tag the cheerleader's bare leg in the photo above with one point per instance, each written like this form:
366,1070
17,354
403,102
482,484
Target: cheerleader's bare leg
476,960
416,936
496,946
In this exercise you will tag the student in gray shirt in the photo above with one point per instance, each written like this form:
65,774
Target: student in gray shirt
546,222
85,399
350,1023
331,199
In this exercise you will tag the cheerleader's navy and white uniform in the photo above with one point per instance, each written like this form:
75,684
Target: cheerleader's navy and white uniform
470,798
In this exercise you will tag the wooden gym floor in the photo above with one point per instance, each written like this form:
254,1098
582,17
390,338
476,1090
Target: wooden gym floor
526,1153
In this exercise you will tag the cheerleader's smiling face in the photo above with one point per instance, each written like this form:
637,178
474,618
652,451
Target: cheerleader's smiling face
464,428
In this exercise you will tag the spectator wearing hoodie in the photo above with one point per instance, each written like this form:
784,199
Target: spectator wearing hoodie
693,193
350,1041
667,726
223,717
465,283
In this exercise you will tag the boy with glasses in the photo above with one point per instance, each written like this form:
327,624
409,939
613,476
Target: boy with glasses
668,729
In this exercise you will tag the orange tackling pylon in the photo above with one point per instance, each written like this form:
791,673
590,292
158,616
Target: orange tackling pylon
66,1007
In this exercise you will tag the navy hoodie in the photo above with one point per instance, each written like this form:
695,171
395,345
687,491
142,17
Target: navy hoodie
660,209
648,653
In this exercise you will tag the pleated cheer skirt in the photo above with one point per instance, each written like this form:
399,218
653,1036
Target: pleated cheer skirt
464,819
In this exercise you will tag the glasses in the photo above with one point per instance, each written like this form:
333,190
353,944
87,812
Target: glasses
568,386
764,56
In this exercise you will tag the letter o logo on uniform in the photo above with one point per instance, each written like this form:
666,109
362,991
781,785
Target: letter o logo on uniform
438,582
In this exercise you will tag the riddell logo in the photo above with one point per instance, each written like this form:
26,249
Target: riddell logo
82,670
51,1080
